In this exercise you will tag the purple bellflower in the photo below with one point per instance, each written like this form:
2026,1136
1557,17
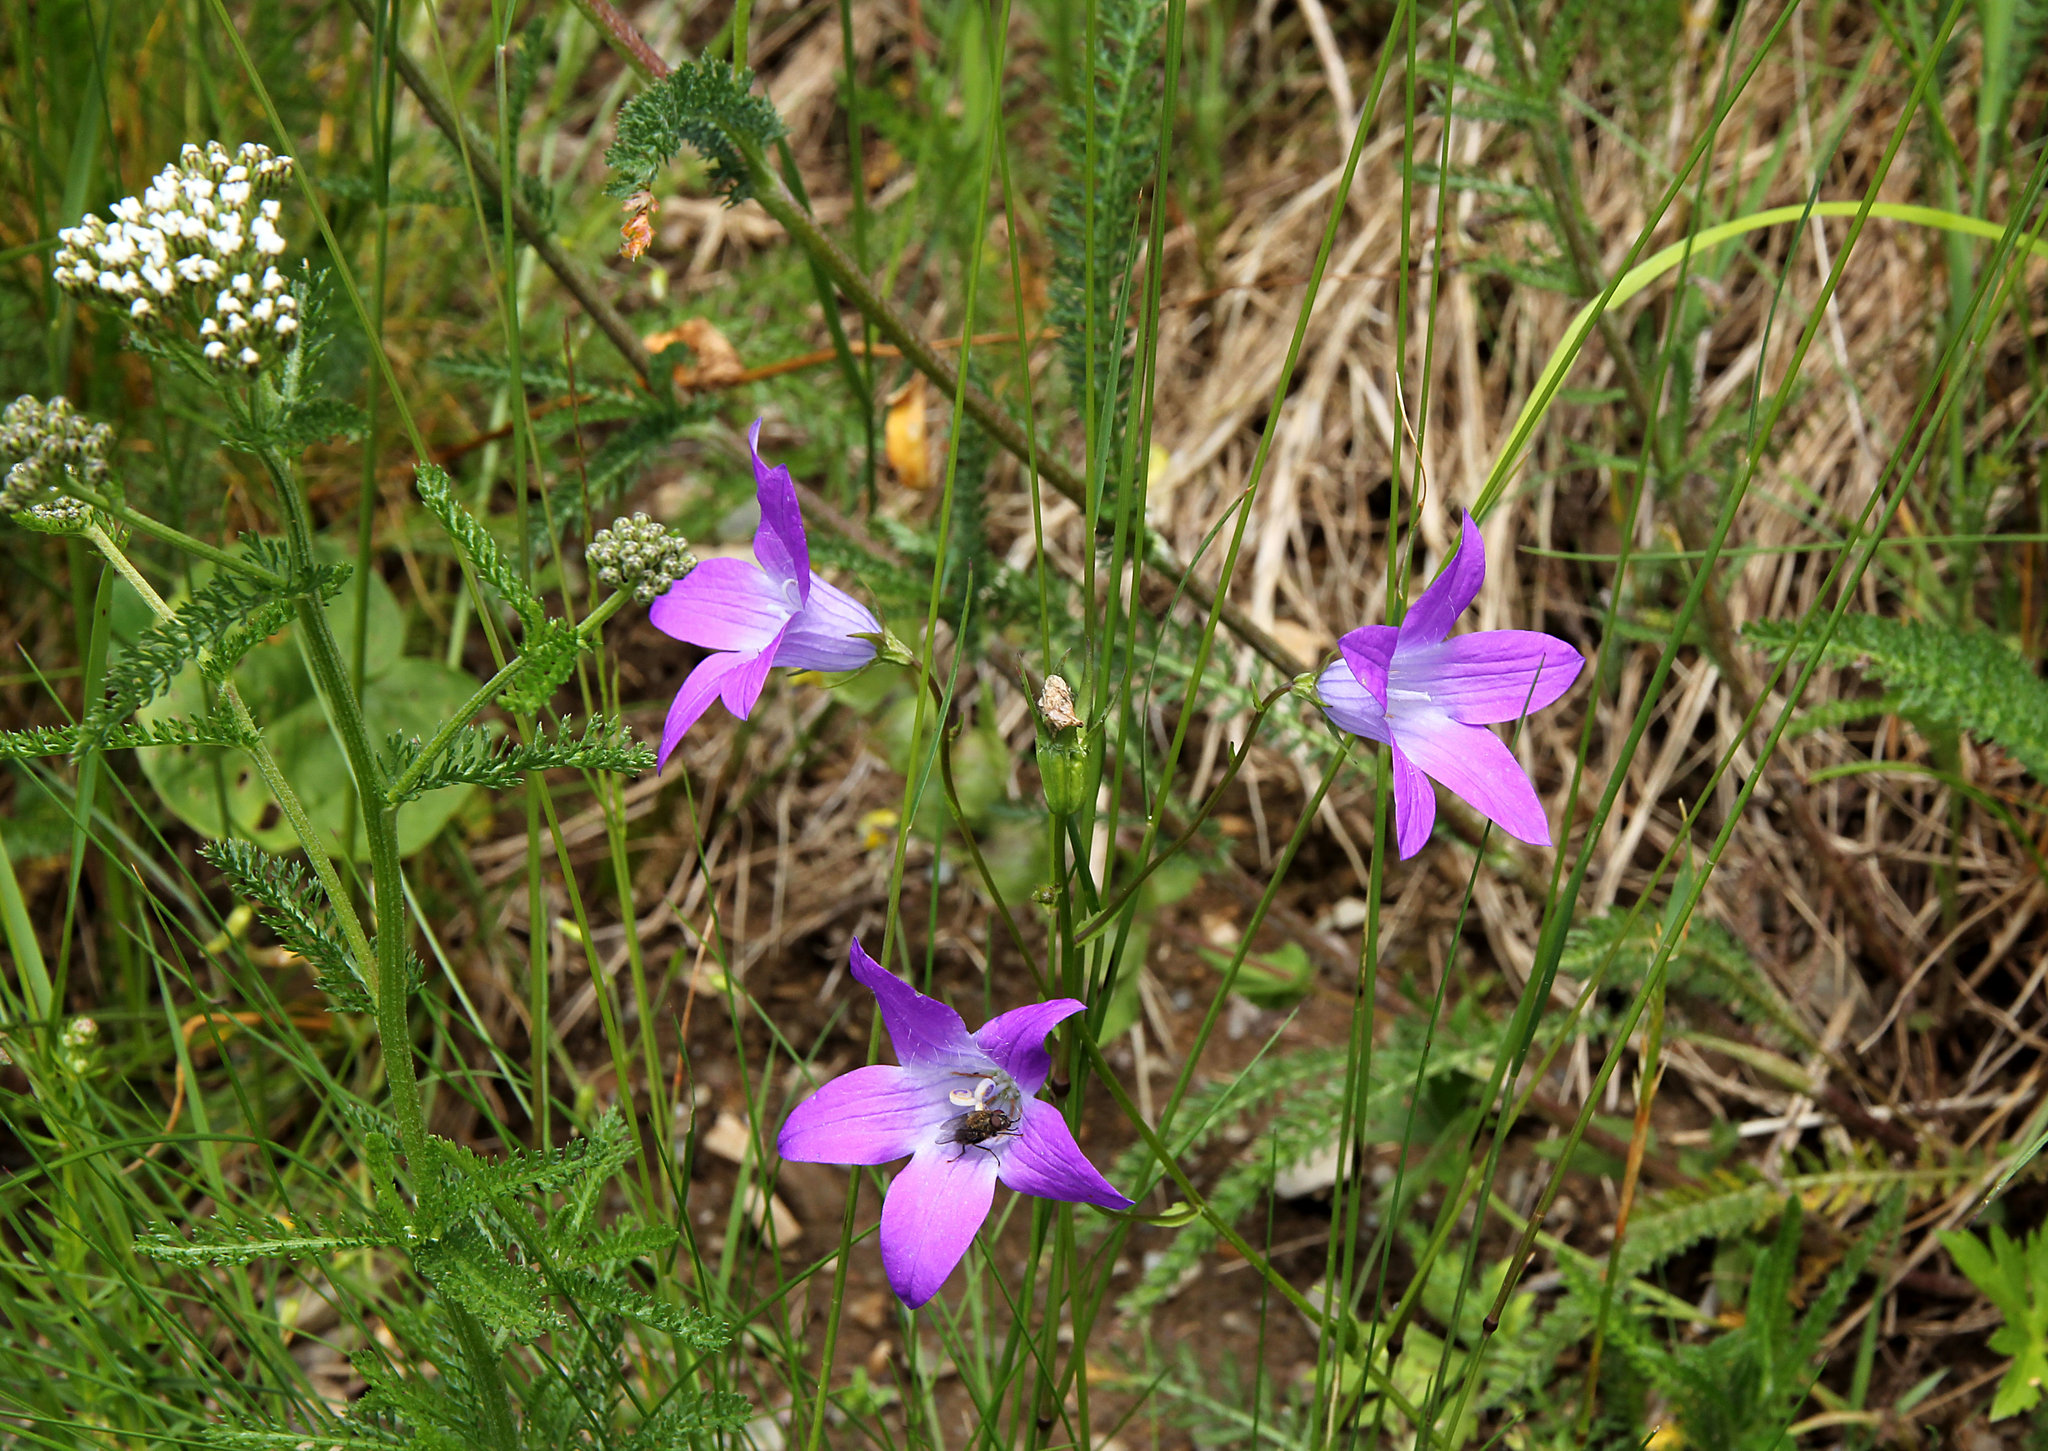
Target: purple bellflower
776,611
963,1107
1431,696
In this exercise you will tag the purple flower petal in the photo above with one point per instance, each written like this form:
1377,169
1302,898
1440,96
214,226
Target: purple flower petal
1349,705
1044,1160
1431,613
1414,806
1493,676
821,635
1369,651
1016,1040
869,1116
699,690
779,542
924,1031
930,1216
723,604
742,685
1473,762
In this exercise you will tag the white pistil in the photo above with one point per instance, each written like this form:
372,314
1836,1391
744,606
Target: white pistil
977,1098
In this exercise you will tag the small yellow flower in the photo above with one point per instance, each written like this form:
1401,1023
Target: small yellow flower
878,827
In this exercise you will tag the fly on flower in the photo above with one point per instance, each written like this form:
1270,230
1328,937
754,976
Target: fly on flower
1431,696
776,611
963,1108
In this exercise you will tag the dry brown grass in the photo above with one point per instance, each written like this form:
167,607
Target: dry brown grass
1922,1046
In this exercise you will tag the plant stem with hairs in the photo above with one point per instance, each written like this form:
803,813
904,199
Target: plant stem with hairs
266,765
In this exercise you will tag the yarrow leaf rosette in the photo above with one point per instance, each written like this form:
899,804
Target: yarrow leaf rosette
776,611
1431,696
963,1108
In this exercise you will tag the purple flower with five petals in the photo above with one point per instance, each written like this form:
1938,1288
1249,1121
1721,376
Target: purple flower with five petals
1431,696
962,1107
777,611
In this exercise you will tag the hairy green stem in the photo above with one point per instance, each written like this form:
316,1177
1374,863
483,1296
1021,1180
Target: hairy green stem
141,523
480,1359
380,820
266,765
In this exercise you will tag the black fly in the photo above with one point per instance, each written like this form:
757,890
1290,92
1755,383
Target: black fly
981,1122
977,1127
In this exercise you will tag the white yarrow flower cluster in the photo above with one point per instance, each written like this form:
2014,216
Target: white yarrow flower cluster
198,244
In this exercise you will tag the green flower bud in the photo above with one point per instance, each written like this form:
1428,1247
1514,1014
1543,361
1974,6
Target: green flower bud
1063,759
41,446
1063,773
640,555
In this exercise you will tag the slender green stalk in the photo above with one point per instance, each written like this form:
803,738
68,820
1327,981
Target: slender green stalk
484,694
266,764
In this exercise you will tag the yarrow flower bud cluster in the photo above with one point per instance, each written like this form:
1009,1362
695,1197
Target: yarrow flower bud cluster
77,1043
199,242
640,555
40,445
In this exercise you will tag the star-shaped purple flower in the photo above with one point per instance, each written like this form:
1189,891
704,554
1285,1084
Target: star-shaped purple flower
1432,696
962,1107
777,611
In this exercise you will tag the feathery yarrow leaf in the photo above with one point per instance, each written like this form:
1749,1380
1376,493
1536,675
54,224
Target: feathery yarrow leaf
648,430
623,1245
475,757
225,618
293,907
327,1439
706,104
457,1182
221,1241
1956,679
688,1418
474,1273
696,1328
477,545
549,654
302,424
129,735
1098,210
